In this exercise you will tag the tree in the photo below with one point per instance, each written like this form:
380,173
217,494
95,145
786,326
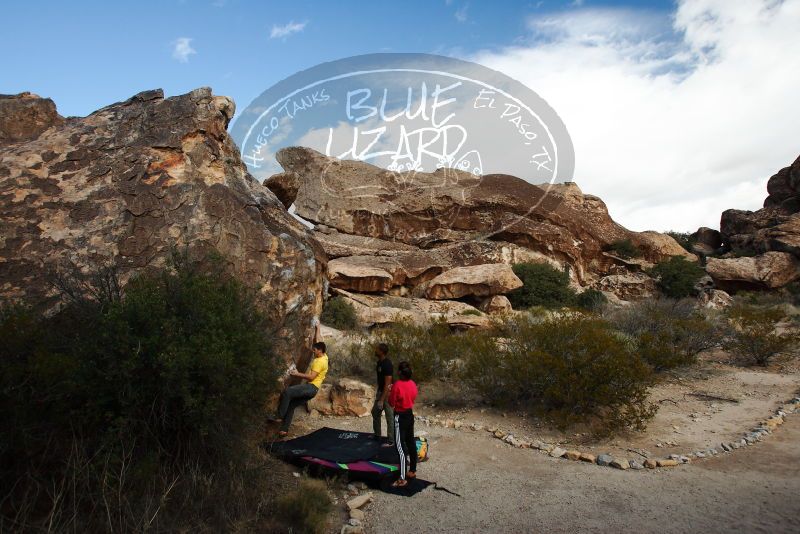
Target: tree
676,277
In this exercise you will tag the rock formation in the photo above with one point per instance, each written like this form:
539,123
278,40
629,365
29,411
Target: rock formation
25,116
131,182
770,270
452,235
763,245
451,207
776,226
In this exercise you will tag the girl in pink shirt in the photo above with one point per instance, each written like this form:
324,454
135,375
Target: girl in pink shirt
401,399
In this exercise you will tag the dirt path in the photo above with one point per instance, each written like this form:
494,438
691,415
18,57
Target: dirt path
512,490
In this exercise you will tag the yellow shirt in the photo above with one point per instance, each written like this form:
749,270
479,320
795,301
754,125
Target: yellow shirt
320,366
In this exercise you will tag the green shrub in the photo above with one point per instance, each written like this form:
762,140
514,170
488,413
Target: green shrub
339,314
543,285
114,404
567,370
306,509
430,349
667,333
355,358
592,300
624,248
676,277
754,338
684,239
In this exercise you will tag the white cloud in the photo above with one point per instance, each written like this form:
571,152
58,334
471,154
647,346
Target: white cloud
461,13
286,30
675,116
182,49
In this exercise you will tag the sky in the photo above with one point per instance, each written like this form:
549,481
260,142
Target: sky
677,110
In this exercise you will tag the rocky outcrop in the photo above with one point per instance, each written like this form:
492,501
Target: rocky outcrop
475,281
428,210
770,270
784,189
25,116
379,310
136,180
405,270
775,227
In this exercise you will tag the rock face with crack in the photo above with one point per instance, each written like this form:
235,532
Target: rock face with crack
135,180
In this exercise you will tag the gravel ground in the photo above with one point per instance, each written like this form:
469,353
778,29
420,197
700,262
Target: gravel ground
512,490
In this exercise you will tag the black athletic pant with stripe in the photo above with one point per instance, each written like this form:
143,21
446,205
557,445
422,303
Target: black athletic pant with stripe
405,441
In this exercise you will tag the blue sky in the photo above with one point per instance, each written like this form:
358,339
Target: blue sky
86,55
677,110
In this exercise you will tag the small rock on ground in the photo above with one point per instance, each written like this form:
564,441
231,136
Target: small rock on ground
604,459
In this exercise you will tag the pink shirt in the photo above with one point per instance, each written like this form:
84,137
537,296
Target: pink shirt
403,395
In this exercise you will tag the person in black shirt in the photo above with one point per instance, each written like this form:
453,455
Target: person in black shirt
384,372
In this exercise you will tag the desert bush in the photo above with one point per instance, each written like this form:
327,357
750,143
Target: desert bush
543,285
430,348
591,300
676,277
667,333
135,412
624,248
754,337
339,314
353,357
306,509
792,293
566,370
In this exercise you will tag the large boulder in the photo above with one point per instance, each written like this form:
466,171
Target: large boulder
495,305
344,397
25,116
708,236
136,180
284,186
474,281
770,270
364,274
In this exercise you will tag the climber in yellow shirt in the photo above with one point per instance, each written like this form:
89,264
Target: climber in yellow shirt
294,396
